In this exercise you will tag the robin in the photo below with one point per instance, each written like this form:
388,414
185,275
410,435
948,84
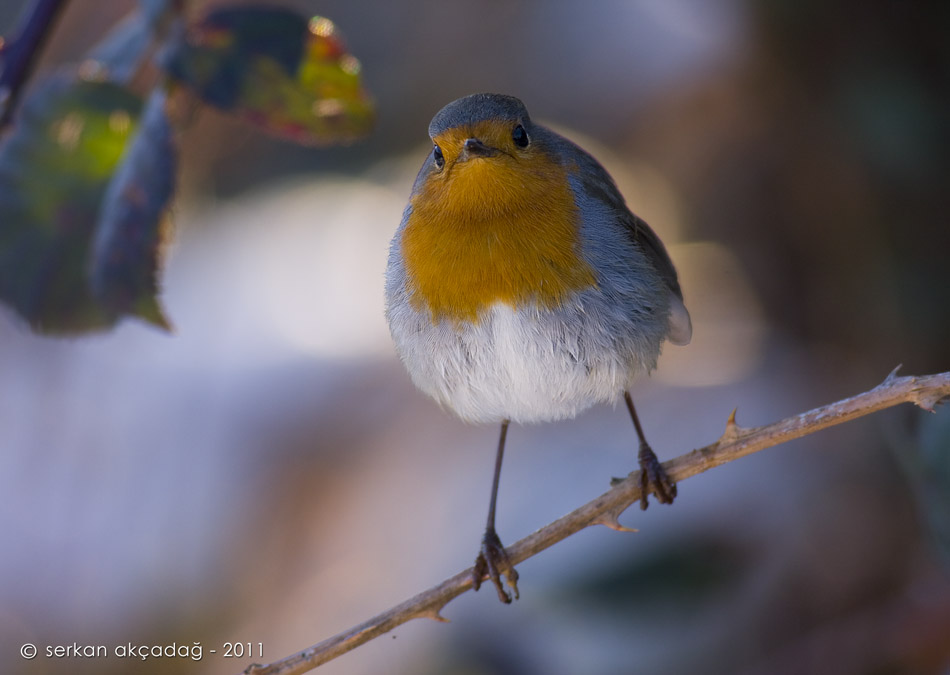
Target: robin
520,287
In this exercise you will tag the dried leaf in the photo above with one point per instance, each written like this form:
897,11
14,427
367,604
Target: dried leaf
275,68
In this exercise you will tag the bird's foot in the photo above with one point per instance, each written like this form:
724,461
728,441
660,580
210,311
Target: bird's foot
493,560
653,478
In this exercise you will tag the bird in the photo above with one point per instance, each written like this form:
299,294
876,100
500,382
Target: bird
521,288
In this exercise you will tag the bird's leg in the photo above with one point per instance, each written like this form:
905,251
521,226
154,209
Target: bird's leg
652,476
492,558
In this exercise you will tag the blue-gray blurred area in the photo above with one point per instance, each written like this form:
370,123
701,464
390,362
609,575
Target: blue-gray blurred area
268,474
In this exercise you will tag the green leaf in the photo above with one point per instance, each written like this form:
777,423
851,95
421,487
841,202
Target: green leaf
126,250
54,169
156,10
118,55
275,68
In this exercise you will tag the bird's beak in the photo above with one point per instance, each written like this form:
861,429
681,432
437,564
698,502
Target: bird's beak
473,147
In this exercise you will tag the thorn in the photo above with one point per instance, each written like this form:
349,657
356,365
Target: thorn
893,374
435,614
611,519
732,429
929,401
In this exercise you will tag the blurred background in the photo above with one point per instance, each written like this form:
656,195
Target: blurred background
268,474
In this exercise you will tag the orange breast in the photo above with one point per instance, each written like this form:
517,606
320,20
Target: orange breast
495,229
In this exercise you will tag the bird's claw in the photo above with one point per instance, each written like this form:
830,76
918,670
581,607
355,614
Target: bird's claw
653,478
493,560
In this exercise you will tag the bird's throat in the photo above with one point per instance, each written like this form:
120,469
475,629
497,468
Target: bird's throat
493,230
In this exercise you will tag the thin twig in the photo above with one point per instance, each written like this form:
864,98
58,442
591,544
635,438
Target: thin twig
925,391
20,54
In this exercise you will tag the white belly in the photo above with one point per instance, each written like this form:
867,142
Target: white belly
524,365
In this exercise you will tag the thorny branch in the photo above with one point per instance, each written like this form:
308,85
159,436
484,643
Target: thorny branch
925,391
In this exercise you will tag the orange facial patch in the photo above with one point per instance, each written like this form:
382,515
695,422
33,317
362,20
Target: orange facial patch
492,229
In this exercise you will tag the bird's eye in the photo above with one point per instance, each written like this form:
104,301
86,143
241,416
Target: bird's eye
438,156
520,137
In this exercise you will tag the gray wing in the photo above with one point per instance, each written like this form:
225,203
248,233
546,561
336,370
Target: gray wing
601,186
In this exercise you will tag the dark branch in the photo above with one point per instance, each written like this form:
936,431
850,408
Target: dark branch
20,54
